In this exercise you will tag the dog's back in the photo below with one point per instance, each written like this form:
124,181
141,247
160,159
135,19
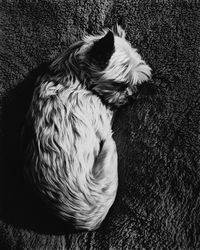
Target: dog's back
72,159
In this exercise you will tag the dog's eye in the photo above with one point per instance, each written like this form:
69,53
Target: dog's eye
120,86
123,87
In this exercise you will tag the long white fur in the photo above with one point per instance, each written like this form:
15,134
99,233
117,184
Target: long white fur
77,182
125,64
72,159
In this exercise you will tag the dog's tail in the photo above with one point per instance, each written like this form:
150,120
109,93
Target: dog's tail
106,158
102,185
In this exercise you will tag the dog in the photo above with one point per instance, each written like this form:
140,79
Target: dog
71,158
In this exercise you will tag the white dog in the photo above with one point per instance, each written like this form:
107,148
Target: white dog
71,159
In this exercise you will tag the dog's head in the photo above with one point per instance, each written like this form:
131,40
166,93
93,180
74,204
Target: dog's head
104,63
113,66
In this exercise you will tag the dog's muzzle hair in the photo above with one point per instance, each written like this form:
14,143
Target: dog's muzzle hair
71,157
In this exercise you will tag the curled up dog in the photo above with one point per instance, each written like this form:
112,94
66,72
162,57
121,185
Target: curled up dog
71,159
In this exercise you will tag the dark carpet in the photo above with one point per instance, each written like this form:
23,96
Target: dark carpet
158,136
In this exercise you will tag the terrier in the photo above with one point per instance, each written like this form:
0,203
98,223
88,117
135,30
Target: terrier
71,159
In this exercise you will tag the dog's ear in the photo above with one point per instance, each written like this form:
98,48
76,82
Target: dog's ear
117,29
103,49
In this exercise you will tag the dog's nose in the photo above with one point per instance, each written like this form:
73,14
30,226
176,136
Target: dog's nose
131,99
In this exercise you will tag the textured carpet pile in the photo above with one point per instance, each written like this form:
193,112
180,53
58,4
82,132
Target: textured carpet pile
158,136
